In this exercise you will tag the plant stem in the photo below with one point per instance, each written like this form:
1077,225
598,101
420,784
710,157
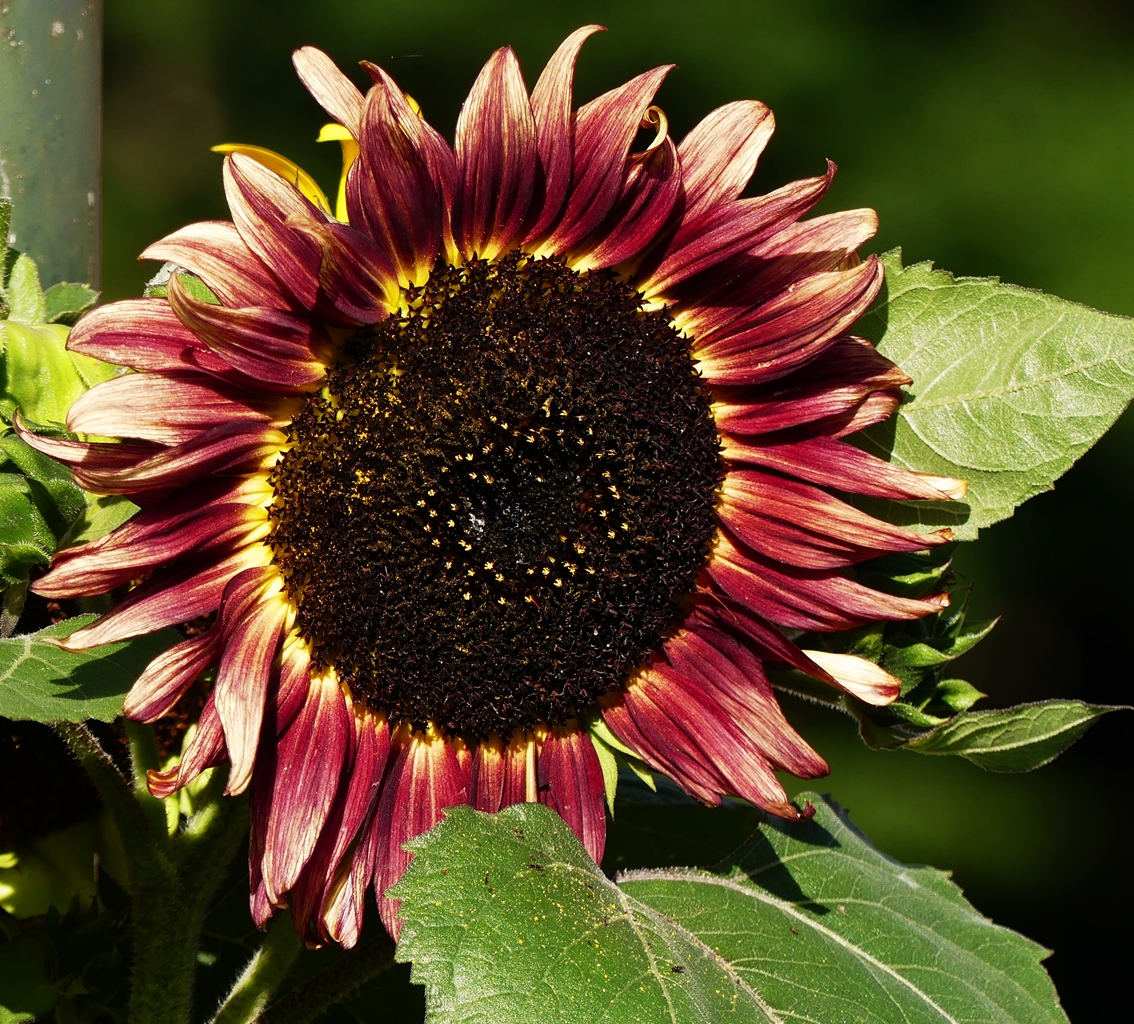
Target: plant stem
263,975
172,879
338,982
144,756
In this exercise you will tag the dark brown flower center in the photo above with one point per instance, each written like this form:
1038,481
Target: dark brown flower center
490,513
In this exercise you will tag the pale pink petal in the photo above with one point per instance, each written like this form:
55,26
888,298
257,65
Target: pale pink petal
719,155
332,90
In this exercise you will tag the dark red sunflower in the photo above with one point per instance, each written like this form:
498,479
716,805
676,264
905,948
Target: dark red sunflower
524,460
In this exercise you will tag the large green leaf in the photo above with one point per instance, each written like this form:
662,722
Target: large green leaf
507,920
65,302
1010,387
40,682
41,378
1013,739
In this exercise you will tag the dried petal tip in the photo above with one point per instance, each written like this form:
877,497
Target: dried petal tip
859,677
955,489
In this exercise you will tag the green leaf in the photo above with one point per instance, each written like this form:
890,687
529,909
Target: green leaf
826,928
507,920
40,682
41,377
1011,386
26,990
157,287
66,302
1013,739
65,499
25,295
103,513
25,537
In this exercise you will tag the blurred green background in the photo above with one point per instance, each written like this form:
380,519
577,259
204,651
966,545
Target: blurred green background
993,137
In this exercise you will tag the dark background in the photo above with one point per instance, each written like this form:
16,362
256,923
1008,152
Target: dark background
993,137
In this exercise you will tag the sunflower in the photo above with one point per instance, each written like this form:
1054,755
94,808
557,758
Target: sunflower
521,463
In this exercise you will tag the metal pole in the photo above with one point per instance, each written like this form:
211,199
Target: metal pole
51,133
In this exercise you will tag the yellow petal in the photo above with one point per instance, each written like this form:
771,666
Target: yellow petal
284,167
337,133
334,133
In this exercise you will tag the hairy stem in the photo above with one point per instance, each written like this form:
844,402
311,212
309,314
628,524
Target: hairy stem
263,974
172,878
338,982
144,756
165,935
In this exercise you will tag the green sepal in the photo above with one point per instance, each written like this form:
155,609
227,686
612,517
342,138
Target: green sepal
614,754
956,694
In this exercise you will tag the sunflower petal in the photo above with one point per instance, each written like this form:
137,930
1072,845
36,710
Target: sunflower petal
604,132
215,252
265,344
166,408
169,675
802,525
575,789
497,158
731,228
719,155
833,463
175,596
252,617
310,757
287,169
865,680
206,750
729,673
808,599
332,90
263,204
551,108
650,197
791,329
424,780
399,189
98,568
